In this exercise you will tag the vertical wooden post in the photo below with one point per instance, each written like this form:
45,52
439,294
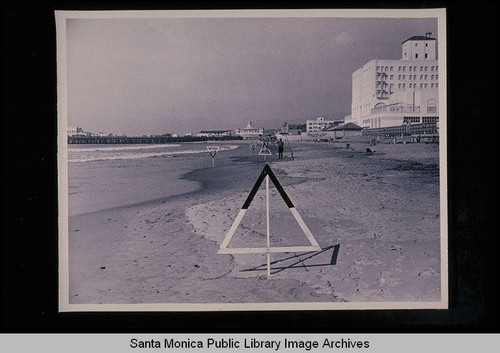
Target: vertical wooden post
268,228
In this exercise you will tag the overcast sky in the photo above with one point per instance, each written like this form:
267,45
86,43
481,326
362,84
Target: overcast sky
143,76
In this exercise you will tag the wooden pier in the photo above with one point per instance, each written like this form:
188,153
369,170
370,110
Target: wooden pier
144,140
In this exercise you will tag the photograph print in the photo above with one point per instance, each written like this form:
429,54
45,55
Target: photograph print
252,160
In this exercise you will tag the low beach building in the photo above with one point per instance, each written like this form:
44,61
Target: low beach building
292,132
293,129
342,131
250,132
388,93
215,133
75,131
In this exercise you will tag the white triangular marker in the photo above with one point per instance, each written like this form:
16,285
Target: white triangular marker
267,173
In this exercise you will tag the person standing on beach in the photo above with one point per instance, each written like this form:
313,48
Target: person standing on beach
281,146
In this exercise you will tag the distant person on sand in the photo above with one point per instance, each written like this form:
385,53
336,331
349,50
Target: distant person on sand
281,146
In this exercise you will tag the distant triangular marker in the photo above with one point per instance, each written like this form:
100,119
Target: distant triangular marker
267,172
213,151
265,151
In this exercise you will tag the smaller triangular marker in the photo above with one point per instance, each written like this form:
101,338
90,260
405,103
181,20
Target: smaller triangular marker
265,151
213,150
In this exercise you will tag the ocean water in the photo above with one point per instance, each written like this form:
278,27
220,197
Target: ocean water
101,177
91,153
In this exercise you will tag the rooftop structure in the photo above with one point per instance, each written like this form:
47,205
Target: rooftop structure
250,132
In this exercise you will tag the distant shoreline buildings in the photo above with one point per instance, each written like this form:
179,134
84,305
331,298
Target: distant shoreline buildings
78,131
250,132
385,94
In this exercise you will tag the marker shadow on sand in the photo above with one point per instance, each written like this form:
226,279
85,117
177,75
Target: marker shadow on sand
300,263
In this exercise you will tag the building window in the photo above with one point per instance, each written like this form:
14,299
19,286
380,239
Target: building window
421,85
425,68
411,119
391,77
426,45
421,68
425,77
399,85
404,68
404,86
392,68
416,56
404,77
430,119
425,85
426,55
399,77
437,77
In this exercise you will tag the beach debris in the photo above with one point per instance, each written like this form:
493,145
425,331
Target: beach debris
103,268
426,273
267,174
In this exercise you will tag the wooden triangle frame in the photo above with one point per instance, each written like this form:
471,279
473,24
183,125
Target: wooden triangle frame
267,174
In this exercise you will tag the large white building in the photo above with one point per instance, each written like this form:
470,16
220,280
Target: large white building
394,92
317,125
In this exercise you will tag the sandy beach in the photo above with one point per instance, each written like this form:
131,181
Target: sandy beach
375,215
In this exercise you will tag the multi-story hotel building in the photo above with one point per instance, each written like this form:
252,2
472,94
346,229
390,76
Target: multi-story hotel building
317,125
396,92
